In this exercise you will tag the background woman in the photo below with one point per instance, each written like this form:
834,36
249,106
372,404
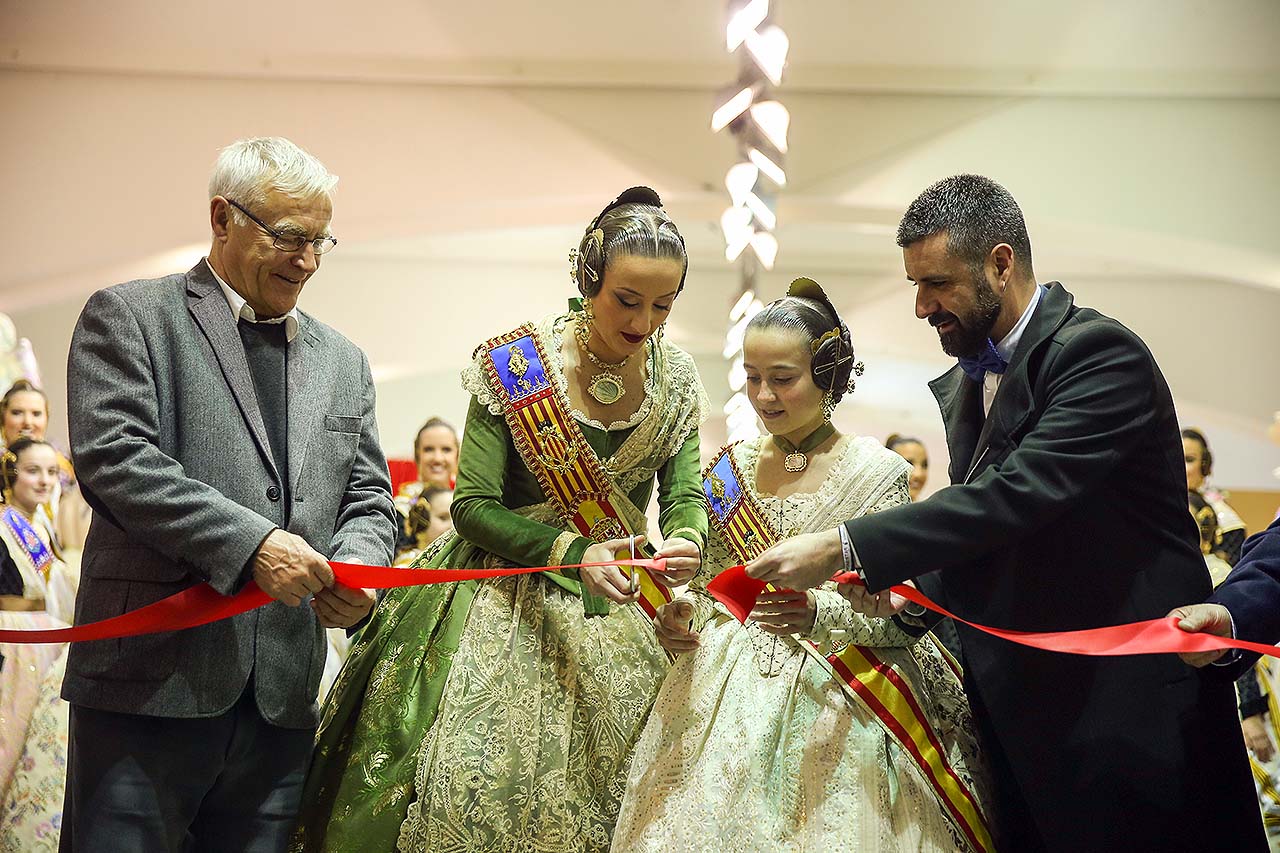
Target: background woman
755,743
912,450
1199,461
24,411
500,715
430,518
37,590
435,453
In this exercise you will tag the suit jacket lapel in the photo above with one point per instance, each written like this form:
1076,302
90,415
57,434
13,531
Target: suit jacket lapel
960,400
208,305
304,415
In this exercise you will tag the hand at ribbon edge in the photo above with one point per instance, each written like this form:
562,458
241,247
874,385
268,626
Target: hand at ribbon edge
1203,619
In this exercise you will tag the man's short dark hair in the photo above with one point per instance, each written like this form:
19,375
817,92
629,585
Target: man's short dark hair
976,213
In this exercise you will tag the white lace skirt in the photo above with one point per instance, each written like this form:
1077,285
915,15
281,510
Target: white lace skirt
25,666
732,759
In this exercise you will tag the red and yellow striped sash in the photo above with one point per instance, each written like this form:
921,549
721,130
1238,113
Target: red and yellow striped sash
553,447
868,680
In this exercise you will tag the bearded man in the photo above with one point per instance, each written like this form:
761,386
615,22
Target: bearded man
1067,510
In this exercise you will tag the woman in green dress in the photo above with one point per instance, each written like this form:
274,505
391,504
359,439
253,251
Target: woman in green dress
501,714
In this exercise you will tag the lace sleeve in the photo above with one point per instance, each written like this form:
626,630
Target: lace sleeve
897,494
836,623
715,559
475,383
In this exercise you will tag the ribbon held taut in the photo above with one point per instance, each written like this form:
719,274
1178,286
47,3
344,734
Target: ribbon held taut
737,591
202,604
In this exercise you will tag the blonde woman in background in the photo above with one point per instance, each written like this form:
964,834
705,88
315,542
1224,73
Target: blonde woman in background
24,411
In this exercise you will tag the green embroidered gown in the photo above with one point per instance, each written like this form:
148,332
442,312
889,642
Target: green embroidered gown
494,715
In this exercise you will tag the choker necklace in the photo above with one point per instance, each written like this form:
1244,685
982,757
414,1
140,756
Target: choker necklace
798,456
606,386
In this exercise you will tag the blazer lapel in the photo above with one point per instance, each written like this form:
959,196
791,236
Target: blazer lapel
960,400
1013,401
208,305
304,415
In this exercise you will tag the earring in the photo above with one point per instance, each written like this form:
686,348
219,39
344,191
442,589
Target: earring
585,321
657,336
828,405
573,265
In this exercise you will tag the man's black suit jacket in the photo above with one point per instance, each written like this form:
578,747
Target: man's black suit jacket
1068,510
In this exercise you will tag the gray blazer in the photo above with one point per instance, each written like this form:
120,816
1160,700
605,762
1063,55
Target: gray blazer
171,451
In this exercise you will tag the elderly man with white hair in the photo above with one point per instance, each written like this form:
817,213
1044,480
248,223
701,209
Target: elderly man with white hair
221,436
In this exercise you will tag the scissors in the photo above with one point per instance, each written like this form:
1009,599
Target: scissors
635,581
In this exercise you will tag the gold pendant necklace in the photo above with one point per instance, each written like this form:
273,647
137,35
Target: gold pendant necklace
797,458
606,387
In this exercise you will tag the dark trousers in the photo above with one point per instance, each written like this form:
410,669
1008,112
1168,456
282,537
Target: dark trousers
135,783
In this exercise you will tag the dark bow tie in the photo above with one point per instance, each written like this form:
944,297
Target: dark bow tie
987,360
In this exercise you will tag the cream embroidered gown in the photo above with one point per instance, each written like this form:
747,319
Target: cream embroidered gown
754,746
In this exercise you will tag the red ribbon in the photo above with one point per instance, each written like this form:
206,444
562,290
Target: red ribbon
733,588
202,604
738,591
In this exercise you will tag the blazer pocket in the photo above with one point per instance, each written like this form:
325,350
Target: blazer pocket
342,423
135,563
150,657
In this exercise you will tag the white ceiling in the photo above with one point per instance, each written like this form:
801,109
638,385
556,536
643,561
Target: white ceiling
474,140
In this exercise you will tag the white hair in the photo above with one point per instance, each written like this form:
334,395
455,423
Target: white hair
247,169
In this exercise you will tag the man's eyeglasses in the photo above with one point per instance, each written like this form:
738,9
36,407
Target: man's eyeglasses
288,242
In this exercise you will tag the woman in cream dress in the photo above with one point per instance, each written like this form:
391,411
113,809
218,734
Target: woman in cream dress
37,591
755,743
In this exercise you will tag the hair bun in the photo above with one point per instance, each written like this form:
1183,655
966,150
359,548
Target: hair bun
635,195
833,361
807,288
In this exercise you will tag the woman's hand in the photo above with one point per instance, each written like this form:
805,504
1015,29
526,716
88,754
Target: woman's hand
673,626
610,581
683,561
1255,737
880,605
785,613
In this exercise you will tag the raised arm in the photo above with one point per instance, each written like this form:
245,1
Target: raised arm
1098,405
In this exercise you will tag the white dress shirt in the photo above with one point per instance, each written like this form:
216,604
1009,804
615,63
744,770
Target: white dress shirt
1007,346
241,310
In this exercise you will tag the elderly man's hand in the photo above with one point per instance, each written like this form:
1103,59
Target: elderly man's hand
1207,619
342,606
288,569
801,562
